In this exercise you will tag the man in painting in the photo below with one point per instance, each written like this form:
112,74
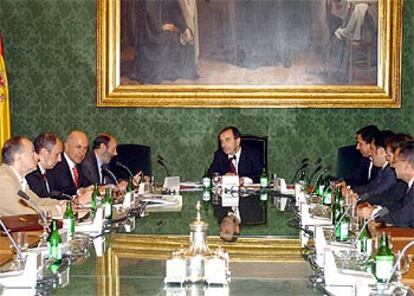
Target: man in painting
165,43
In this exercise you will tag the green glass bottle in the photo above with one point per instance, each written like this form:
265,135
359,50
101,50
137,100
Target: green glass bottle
335,208
54,243
94,199
206,180
365,242
130,187
107,204
206,198
264,180
384,260
341,227
69,219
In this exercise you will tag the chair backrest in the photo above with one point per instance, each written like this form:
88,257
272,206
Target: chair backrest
258,143
136,157
347,160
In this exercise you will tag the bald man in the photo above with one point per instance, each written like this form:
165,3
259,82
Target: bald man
67,177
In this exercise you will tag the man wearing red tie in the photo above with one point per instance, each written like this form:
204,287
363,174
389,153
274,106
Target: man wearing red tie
66,177
232,158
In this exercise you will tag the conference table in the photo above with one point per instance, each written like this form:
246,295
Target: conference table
265,260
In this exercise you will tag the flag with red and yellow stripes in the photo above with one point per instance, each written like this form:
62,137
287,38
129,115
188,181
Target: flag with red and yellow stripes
5,124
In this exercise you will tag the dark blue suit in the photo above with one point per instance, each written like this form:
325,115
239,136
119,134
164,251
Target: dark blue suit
37,183
392,199
61,181
249,164
382,182
360,176
403,216
90,170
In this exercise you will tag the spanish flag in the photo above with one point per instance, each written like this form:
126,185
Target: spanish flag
5,125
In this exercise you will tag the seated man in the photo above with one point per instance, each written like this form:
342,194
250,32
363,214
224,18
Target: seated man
67,177
95,166
393,198
19,159
366,170
48,148
404,168
232,158
385,178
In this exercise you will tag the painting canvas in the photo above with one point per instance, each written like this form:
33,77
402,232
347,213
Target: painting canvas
277,42
248,52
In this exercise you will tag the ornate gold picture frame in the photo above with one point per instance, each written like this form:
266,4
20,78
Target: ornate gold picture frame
114,89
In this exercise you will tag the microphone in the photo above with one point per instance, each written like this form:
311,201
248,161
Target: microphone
110,174
318,167
324,171
361,198
120,164
304,164
34,206
379,214
161,162
16,247
397,262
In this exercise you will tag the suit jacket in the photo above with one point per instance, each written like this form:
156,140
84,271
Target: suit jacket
90,170
251,209
249,164
360,176
392,199
403,216
37,183
384,180
10,202
61,181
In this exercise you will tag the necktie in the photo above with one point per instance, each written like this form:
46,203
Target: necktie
75,177
232,166
46,182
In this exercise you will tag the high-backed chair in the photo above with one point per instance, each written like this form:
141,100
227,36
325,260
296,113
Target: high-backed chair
136,157
347,160
258,143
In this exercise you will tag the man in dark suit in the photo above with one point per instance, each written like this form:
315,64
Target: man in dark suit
393,198
366,170
96,161
232,158
404,168
48,148
385,177
66,177
95,167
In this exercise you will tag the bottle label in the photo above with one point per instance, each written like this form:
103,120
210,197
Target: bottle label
263,182
68,224
206,182
107,210
383,267
327,198
343,231
263,196
55,250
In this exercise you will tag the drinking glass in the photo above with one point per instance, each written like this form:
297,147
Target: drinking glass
45,218
21,241
216,179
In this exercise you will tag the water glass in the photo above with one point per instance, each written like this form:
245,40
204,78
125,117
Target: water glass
216,179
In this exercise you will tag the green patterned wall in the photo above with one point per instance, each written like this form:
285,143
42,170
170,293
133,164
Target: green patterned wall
50,49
